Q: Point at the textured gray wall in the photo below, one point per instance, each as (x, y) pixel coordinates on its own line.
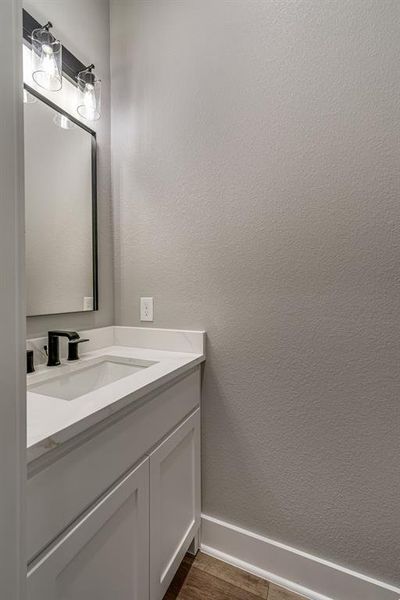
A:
(256, 183)
(83, 26)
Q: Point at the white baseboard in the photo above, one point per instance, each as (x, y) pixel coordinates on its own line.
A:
(302, 573)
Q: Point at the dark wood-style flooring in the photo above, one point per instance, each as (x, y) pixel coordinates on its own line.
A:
(206, 578)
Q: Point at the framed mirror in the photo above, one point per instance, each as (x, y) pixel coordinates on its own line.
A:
(60, 210)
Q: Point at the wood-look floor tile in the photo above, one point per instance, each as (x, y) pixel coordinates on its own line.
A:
(200, 585)
(206, 578)
(180, 577)
(278, 593)
(241, 579)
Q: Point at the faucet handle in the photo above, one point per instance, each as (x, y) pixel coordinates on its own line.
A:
(73, 348)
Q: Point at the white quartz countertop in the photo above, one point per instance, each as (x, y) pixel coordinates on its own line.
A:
(52, 421)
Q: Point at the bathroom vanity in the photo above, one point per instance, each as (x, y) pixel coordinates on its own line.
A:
(113, 438)
(113, 494)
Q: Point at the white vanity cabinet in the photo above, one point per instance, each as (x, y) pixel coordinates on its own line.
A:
(104, 556)
(111, 517)
(174, 502)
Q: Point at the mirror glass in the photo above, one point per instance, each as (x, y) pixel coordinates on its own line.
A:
(60, 210)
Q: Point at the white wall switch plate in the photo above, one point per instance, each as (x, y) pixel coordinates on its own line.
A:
(146, 309)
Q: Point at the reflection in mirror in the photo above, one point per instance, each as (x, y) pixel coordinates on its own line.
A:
(60, 209)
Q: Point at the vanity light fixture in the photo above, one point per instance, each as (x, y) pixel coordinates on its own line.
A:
(88, 94)
(46, 59)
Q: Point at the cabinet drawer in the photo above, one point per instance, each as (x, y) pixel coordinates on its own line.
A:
(105, 554)
(60, 492)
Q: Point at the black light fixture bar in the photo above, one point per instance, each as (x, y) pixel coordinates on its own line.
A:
(71, 65)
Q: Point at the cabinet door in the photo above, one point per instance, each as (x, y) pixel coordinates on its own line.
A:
(174, 502)
(105, 555)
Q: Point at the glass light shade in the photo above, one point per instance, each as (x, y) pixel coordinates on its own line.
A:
(28, 98)
(88, 95)
(63, 121)
(46, 60)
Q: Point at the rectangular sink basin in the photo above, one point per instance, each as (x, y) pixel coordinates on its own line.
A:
(87, 377)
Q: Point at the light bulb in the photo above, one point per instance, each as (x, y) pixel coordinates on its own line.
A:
(89, 102)
(48, 64)
(64, 122)
(88, 95)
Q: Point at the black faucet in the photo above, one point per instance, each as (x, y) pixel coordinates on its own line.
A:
(53, 346)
